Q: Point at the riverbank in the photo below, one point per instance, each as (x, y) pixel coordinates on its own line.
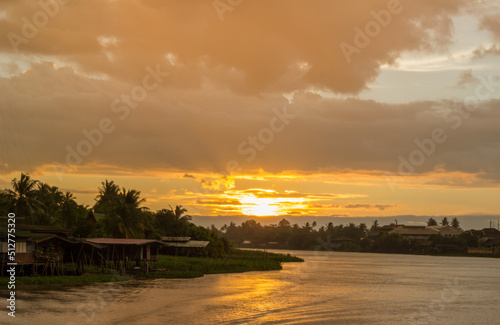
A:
(173, 267)
(496, 254)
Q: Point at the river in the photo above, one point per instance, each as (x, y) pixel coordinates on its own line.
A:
(329, 288)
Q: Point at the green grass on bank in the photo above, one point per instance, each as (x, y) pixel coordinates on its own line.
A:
(175, 267)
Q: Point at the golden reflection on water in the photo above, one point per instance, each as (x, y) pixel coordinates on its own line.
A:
(254, 295)
(345, 288)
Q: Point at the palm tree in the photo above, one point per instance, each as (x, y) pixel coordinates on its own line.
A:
(172, 222)
(455, 223)
(123, 221)
(6, 204)
(124, 216)
(22, 198)
(68, 210)
(178, 214)
(50, 199)
(108, 193)
(132, 197)
(374, 225)
(445, 222)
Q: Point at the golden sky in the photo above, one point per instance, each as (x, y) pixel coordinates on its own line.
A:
(257, 108)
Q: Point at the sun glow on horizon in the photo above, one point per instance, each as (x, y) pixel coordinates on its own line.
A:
(260, 207)
(265, 202)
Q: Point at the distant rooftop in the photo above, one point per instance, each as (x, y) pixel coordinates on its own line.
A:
(190, 244)
(174, 239)
(122, 241)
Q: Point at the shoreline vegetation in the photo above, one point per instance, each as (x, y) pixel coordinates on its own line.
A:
(171, 267)
(445, 239)
(120, 214)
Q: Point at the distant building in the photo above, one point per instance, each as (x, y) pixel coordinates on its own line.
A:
(447, 231)
(182, 245)
(93, 217)
(40, 246)
(415, 233)
(128, 249)
(489, 237)
(418, 233)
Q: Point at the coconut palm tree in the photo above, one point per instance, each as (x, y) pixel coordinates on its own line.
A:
(124, 215)
(132, 197)
(178, 214)
(172, 222)
(50, 199)
(108, 193)
(123, 221)
(22, 198)
(68, 211)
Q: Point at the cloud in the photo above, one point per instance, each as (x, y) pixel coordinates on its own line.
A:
(466, 77)
(218, 202)
(48, 111)
(225, 80)
(489, 22)
(220, 184)
(365, 206)
(263, 46)
(483, 51)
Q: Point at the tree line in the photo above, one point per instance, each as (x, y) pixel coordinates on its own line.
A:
(123, 211)
(287, 235)
(349, 237)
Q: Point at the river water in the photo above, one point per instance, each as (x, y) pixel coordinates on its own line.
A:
(329, 288)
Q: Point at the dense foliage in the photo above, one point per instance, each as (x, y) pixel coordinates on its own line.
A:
(357, 238)
(123, 214)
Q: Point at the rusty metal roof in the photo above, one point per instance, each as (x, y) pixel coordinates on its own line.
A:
(171, 238)
(190, 244)
(123, 241)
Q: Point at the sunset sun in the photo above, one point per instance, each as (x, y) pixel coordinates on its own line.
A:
(260, 207)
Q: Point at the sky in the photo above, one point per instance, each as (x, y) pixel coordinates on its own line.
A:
(263, 109)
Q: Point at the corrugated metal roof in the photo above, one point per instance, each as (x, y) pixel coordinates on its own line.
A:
(122, 241)
(44, 237)
(190, 244)
(175, 238)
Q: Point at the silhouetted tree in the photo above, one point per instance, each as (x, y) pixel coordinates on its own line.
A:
(431, 222)
(49, 198)
(455, 223)
(444, 222)
(124, 216)
(22, 198)
(68, 211)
